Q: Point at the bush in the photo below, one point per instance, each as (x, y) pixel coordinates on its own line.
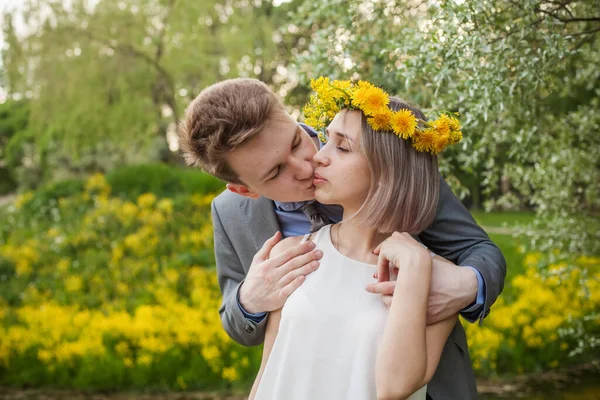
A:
(541, 327)
(162, 180)
(102, 292)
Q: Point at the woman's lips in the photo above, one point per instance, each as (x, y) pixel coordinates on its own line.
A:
(318, 179)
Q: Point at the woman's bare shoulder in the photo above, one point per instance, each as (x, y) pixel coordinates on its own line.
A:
(285, 244)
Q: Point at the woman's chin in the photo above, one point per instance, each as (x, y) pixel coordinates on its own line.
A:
(323, 197)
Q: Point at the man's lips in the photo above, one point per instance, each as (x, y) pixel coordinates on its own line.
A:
(318, 179)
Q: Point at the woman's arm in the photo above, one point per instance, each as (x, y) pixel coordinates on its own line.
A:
(409, 351)
(270, 335)
(274, 317)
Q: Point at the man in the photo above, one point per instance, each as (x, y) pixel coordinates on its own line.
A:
(238, 131)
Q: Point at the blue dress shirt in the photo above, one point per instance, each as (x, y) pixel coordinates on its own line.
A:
(293, 222)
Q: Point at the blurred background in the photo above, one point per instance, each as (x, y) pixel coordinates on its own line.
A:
(107, 279)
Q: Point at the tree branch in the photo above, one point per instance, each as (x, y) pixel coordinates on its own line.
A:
(534, 23)
(586, 32)
(130, 50)
(161, 34)
(567, 20)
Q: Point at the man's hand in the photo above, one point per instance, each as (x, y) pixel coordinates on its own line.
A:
(452, 288)
(270, 281)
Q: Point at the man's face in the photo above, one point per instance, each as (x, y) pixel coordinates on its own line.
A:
(277, 163)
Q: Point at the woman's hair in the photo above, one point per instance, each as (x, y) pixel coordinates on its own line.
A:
(405, 183)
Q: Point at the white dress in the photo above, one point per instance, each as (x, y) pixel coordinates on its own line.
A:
(328, 335)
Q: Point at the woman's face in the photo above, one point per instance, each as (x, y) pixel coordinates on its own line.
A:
(342, 175)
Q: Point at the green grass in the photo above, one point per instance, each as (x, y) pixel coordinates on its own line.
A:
(514, 260)
(506, 241)
(502, 219)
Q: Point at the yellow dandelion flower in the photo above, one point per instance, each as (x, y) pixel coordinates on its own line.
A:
(375, 99)
(454, 124)
(455, 137)
(440, 143)
(359, 96)
(442, 125)
(425, 140)
(381, 119)
(404, 123)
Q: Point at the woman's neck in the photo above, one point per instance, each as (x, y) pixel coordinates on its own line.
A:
(355, 240)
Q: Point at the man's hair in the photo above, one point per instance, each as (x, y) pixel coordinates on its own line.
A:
(222, 117)
(405, 183)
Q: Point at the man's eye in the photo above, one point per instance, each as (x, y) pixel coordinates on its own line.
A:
(297, 143)
(276, 174)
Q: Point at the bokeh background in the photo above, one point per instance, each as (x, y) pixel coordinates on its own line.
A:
(107, 278)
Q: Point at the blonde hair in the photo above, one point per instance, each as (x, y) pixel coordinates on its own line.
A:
(222, 117)
(404, 191)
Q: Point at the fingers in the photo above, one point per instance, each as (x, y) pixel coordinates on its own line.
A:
(299, 262)
(295, 273)
(394, 270)
(266, 248)
(381, 288)
(383, 269)
(387, 299)
(289, 289)
(377, 249)
(289, 254)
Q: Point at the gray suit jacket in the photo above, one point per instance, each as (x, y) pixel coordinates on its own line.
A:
(242, 225)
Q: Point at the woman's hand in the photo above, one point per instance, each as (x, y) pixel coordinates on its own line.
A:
(401, 251)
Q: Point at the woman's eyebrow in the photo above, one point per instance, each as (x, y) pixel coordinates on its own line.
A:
(343, 135)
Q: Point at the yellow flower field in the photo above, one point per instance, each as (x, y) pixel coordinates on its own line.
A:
(105, 292)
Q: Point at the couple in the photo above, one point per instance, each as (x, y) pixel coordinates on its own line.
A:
(333, 338)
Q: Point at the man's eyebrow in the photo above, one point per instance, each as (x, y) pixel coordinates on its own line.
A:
(298, 130)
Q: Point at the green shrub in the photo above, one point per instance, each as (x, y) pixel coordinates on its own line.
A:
(100, 292)
(162, 180)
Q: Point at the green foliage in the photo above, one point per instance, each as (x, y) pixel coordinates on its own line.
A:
(112, 79)
(162, 180)
(103, 292)
(524, 78)
(522, 75)
(14, 139)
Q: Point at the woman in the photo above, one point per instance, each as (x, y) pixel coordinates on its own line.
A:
(332, 339)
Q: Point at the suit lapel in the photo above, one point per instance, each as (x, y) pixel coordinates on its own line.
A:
(261, 219)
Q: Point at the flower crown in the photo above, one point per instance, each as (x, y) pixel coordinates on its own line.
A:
(332, 96)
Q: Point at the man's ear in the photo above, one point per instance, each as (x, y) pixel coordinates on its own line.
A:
(241, 190)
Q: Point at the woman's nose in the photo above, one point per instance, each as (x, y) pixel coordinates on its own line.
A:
(321, 158)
